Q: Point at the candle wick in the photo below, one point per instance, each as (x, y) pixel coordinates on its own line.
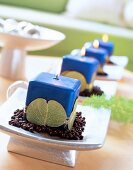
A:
(56, 77)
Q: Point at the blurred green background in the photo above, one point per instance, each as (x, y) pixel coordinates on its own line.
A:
(75, 38)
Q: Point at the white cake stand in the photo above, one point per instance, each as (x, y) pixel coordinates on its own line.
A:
(12, 59)
(44, 147)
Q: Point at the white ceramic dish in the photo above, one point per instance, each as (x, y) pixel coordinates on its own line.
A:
(48, 38)
(119, 60)
(114, 73)
(94, 135)
(108, 87)
(12, 59)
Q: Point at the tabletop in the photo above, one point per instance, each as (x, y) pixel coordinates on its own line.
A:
(116, 154)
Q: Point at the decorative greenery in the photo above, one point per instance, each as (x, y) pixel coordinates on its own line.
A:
(49, 113)
(35, 111)
(122, 108)
(56, 114)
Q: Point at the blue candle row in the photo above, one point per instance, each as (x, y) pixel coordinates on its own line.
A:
(65, 90)
(100, 49)
(89, 60)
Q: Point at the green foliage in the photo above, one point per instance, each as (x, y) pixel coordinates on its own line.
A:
(56, 114)
(35, 111)
(56, 6)
(121, 108)
(49, 113)
(42, 113)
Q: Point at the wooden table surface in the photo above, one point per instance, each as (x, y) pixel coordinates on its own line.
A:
(117, 153)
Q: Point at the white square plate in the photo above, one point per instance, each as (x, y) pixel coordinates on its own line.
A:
(114, 73)
(97, 121)
(119, 60)
(108, 87)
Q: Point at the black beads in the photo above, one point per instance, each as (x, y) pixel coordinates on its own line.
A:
(95, 91)
(102, 74)
(112, 63)
(19, 120)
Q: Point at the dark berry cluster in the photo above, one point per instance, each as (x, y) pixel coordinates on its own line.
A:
(110, 62)
(95, 91)
(19, 120)
(102, 74)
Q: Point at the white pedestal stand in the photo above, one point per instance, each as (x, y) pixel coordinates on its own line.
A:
(42, 152)
(12, 59)
(12, 63)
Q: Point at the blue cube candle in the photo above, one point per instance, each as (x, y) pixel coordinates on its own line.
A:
(83, 65)
(64, 90)
(94, 51)
(107, 45)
